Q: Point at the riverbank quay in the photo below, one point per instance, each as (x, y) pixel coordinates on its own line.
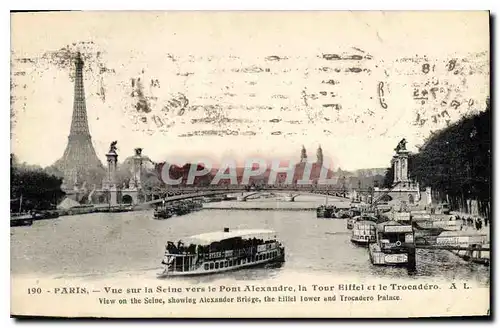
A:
(102, 208)
(484, 226)
(88, 209)
(77, 210)
(474, 240)
(472, 246)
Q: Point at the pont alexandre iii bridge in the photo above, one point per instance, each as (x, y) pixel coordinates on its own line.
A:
(403, 190)
(135, 193)
(409, 193)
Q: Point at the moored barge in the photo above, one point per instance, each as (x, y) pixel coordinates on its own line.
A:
(394, 245)
(162, 213)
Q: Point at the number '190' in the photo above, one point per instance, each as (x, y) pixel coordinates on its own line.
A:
(34, 290)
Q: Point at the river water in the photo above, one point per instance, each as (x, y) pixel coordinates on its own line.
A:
(132, 244)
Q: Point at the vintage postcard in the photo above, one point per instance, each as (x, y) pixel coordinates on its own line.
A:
(250, 164)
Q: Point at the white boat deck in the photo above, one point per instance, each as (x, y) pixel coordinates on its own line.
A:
(210, 237)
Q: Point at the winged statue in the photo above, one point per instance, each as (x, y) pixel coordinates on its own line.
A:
(112, 147)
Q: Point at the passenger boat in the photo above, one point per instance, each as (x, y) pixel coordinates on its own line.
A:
(42, 215)
(323, 212)
(53, 214)
(326, 212)
(394, 245)
(362, 217)
(182, 209)
(222, 251)
(355, 212)
(344, 214)
(121, 209)
(21, 220)
(81, 209)
(197, 205)
(364, 232)
(351, 222)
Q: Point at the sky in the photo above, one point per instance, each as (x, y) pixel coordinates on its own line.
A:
(238, 85)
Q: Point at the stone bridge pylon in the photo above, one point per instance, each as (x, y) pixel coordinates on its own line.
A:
(109, 185)
(111, 192)
(132, 194)
(403, 190)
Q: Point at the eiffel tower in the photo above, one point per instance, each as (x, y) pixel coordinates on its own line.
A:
(79, 163)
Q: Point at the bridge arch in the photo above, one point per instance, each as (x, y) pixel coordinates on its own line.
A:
(244, 196)
(386, 198)
(172, 194)
(101, 199)
(127, 199)
(334, 194)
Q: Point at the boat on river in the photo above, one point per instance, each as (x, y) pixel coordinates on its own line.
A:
(352, 221)
(364, 232)
(325, 211)
(362, 217)
(394, 245)
(181, 209)
(81, 209)
(329, 212)
(222, 251)
(162, 213)
(197, 205)
(21, 220)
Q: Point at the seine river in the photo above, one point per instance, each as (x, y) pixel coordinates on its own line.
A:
(132, 245)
